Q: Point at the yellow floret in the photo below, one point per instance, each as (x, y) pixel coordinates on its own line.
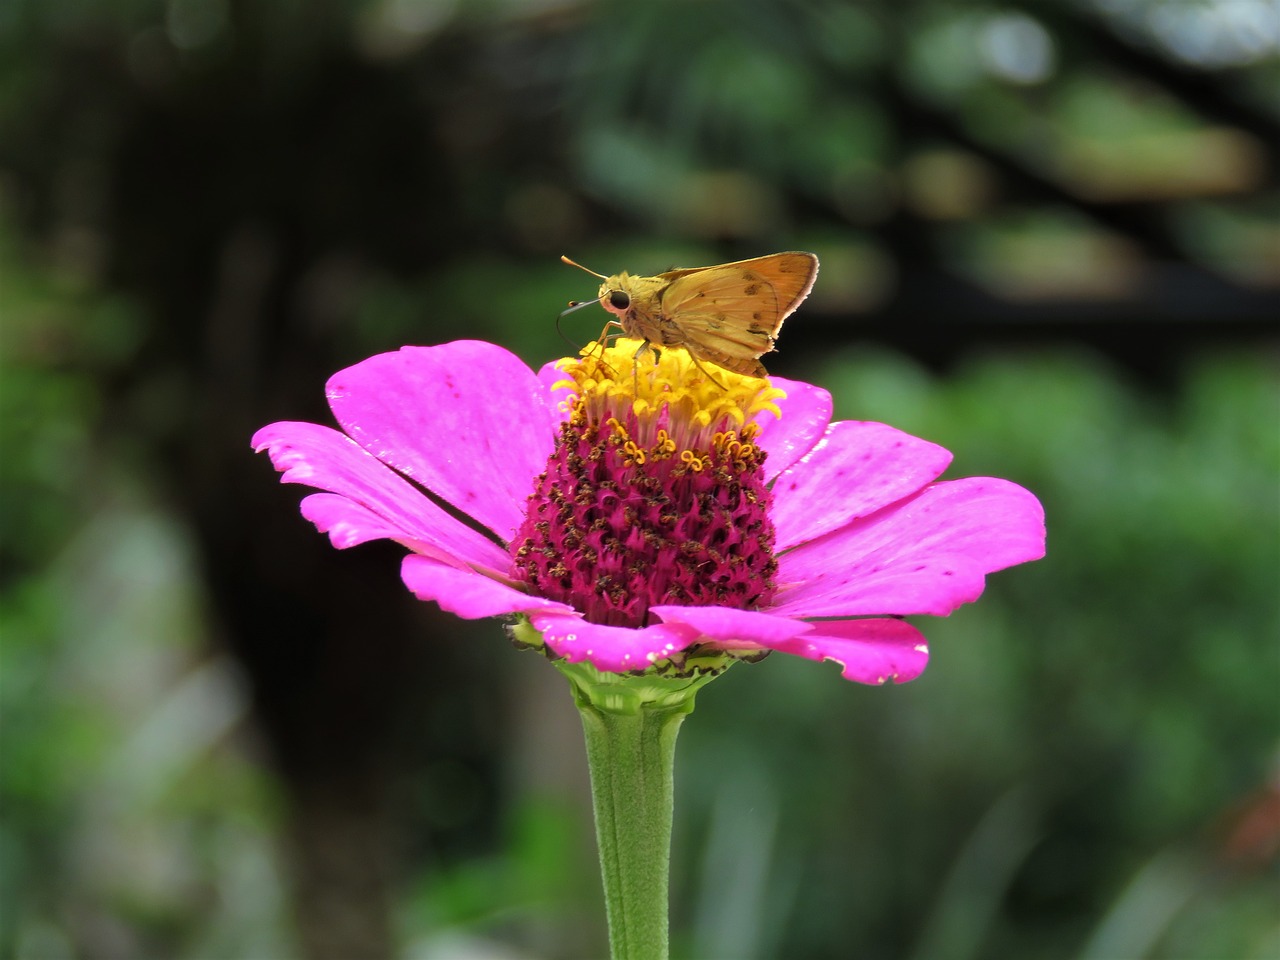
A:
(623, 376)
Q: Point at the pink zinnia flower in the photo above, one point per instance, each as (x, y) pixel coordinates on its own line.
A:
(638, 515)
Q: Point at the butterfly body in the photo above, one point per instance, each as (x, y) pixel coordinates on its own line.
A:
(728, 314)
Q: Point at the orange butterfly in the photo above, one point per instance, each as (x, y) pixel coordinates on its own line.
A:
(729, 314)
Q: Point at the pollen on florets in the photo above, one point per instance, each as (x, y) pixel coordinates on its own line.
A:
(655, 492)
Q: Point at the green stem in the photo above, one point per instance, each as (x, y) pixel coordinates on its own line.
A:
(630, 724)
(632, 761)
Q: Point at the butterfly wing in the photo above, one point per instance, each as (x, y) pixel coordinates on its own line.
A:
(730, 314)
(789, 275)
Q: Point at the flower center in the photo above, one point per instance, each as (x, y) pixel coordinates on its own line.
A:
(654, 493)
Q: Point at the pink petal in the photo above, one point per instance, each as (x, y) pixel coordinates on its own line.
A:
(854, 470)
(806, 411)
(734, 629)
(468, 594)
(925, 554)
(467, 420)
(348, 524)
(616, 649)
(868, 651)
(322, 457)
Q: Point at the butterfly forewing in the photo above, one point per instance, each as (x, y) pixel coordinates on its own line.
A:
(733, 312)
(790, 275)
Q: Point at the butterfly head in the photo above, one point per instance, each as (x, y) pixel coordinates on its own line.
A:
(614, 298)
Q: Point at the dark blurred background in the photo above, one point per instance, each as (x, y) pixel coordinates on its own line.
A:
(1050, 241)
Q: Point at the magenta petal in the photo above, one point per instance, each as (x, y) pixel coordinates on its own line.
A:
(734, 629)
(321, 457)
(616, 649)
(854, 470)
(467, 420)
(806, 411)
(468, 594)
(868, 651)
(348, 525)
(925, 554)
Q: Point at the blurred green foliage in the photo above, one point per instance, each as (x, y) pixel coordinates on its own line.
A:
(129, 819)
(1085, 770)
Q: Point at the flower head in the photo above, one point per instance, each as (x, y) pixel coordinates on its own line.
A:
(653, 494)
(639, 514)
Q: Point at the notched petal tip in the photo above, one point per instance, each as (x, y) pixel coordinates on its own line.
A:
(347, 523)
(871, 651)
(370, 499)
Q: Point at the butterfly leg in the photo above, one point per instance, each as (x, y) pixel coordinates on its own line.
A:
(707, 374)
(635, 363)
(646, 347)
(602, 340)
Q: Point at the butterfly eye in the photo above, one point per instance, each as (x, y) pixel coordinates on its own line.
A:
(619, 300)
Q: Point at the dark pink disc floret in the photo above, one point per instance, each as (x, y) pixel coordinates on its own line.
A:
(613, 539)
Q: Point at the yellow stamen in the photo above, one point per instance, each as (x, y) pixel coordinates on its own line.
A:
(694, 462)
(633, 455)
(664, 447)
(670, 402)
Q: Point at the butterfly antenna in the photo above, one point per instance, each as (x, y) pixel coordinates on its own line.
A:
(574, 263)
